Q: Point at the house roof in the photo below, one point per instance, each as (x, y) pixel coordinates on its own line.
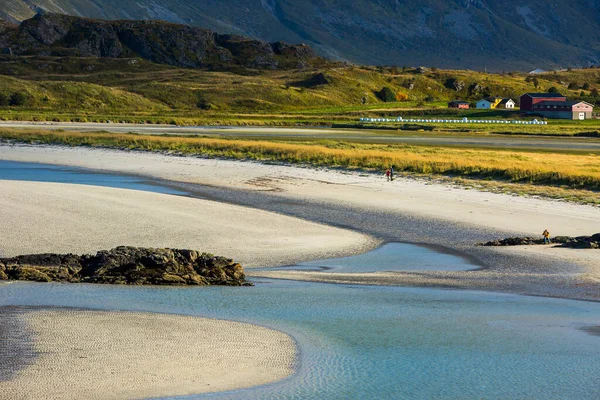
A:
(504, 101)
(561, 103)
(543, 95)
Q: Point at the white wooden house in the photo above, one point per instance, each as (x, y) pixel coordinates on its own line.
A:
(508, 104)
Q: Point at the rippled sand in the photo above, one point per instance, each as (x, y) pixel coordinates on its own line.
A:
(115, 355)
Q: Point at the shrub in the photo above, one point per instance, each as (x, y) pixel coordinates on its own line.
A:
(586, 86)
(595, 92)
(573, 86)
(401, 96)
(386, 94)
(17, 99)
(203, 104)
(4, 100)
(553, 89)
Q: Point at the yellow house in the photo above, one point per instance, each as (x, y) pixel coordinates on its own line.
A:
(490, 103)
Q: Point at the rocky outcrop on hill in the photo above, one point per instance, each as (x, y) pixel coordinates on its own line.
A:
(126, 265)
(455, 34)
(157, 41)
(579, 242)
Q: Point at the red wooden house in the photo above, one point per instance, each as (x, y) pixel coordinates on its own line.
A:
(529, 100)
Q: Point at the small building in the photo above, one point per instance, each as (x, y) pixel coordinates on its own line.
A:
(485, 104)
(490, 103)
(528, 100)
(578, 110)
(463, 105)
(508, 104)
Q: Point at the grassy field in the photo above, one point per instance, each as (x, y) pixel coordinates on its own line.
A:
(135, 90)
(573, 177)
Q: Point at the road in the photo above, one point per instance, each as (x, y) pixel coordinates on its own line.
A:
(538, 143)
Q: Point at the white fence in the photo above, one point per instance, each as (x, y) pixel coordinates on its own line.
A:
(455, 121)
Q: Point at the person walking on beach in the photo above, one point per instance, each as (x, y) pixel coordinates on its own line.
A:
(392, 173)
(388, 174)
(546, 236)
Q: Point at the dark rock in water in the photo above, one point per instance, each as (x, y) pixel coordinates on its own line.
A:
(126, 265)
(579, 242)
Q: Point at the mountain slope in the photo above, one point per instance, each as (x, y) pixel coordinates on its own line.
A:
(494, 34)
(157, 41)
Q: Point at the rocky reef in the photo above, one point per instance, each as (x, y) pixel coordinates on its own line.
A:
(158, 41)
(579, 242)
(126, 265)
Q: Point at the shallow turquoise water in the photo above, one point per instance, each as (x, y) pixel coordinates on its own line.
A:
(12, 170)
(367, 342)
(392, 257)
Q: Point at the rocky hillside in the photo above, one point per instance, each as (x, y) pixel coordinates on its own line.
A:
(126, 265)
(157, 41)
(474, 34)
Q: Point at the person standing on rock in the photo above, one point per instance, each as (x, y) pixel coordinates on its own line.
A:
(546, 236)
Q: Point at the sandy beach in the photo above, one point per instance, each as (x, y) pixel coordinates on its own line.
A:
(409, 210)
(524, 215)
(63, 218)
(114, 355)
(273, 215)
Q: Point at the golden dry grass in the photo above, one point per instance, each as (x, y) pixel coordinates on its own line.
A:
(568, 170)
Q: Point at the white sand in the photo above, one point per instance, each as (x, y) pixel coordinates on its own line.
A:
(498, 211)
(522, 215)
(116, 355)
(61, 218)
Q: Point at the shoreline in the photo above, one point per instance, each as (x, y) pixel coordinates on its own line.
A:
(408, 211)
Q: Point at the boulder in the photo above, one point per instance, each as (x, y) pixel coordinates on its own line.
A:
(579, 242)
(127, 265)
(514, 241)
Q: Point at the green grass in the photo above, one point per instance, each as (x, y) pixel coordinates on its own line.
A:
(137, 91)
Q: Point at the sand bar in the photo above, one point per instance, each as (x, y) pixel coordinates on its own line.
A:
(81, 219)
(408, 210)
(114, 355)
(497, 211)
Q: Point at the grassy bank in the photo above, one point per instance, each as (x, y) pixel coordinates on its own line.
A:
(548, 173)
(134, 90)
